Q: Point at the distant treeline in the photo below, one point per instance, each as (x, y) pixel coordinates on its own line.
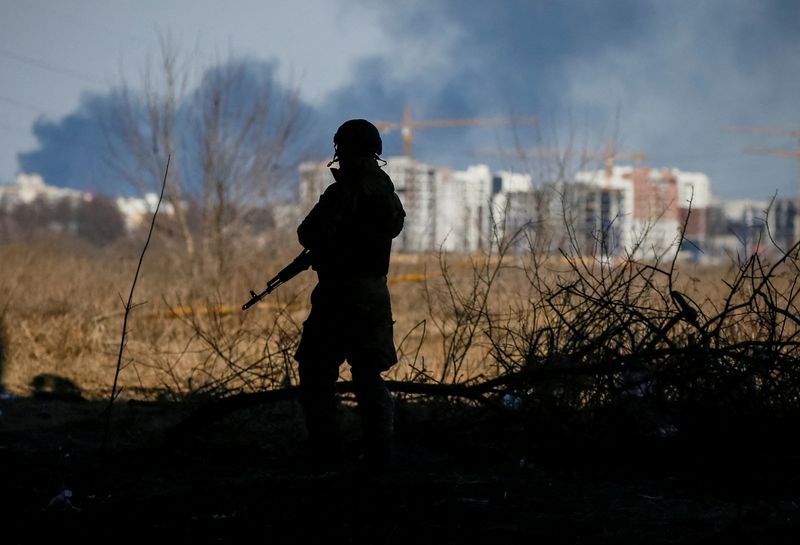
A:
(96, 220)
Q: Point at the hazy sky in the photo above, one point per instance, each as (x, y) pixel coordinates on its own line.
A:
(666, 76)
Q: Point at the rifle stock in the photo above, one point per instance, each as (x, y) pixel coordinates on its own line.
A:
(298, 265)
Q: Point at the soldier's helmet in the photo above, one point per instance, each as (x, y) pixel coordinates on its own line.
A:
(357, 138)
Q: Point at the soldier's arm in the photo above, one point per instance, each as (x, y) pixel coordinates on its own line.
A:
(397, 216)
(320, 226)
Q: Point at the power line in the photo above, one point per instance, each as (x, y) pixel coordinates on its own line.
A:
(20, 130)
(25, 105)
(44, 65)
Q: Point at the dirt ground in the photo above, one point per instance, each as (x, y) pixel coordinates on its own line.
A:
(461, 476)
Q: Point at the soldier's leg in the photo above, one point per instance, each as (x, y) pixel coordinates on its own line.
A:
(320, 409)
(377, 415)
(319, 356)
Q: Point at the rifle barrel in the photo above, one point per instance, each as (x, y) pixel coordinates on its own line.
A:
(298, 265)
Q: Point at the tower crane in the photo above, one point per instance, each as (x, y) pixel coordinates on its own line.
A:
(419, 195)
(792, 133)
(778, 152)
(608, 156)
(407, 125)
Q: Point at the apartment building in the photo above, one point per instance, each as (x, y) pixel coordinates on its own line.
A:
(640, 211)
(436, 205)
(27, 188)
(611, 212)
(463, 215)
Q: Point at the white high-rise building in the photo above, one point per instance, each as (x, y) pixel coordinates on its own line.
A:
(30, 187)
(315, 176)
(416, 184)
(463, 215)
(137, 211)
(513, 204)
(603, 210)
(617, 212)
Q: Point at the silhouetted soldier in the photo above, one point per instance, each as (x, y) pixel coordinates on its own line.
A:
(349, 233)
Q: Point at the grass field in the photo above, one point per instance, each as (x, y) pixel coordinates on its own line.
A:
(457, 317)
(628, 402)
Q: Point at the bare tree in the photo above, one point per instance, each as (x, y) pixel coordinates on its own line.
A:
(234, 137)
(99, 221)
(242, 150)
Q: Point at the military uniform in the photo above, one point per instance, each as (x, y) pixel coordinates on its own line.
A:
(349, 233)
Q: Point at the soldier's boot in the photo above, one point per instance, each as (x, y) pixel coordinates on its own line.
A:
(320, 410)
(377, 419)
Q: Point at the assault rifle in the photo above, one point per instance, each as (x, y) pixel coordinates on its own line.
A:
(298, 265)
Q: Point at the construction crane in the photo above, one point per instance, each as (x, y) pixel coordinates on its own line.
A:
(419, 195)
(778, 131)
(608, 156)
(780, 152)
(777, 152)
(408, 125)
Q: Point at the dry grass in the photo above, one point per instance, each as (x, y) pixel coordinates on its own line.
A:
(457, 318)
(62, 310)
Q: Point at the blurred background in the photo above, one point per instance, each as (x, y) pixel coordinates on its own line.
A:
(697, 86)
